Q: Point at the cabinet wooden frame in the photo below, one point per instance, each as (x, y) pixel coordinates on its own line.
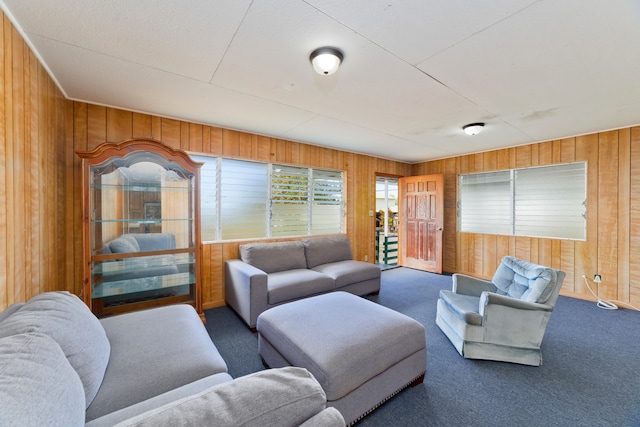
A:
(119, 151)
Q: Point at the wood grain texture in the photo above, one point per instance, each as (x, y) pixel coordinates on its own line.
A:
(613, 215)
(39, 131)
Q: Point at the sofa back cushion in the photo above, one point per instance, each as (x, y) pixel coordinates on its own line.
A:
(154, 241)
(273, 257)
(524, 280)
(283, 396)
(65, 318)
(38, 386)
(326, 249)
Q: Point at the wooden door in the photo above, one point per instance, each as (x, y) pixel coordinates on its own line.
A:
(421, 217)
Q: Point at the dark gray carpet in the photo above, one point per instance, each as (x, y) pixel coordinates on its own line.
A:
(590, 374)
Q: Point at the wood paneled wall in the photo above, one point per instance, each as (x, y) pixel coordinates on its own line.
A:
(92, 125)
(40, 190)
(32, 192)
(613, 215)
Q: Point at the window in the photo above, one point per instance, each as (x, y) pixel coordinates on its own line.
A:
(244, 199)
(544, 201)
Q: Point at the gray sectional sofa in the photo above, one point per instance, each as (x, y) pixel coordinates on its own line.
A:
(270, 274)
(62, 366)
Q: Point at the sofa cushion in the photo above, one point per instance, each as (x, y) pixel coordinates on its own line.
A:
(66, 319)
(465, 307)
(287, 396)
(294, 284)
(349, 272)
(124, 244)
(523, 280)
(38, 386)
(326, 249)
(154, 241)
(154, 351)
(275, 256)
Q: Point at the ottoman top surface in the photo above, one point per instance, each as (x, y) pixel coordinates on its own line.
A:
(343, 339)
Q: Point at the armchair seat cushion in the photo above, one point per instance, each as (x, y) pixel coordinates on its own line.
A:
(463, 306)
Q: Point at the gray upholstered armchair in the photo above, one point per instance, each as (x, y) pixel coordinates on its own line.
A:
(503, 319)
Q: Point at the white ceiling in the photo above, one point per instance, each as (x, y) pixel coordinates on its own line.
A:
(414, 71)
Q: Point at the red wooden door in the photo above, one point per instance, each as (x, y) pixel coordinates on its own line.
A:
(421, 217)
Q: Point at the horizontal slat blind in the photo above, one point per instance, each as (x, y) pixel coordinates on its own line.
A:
(208, 198)
(485, 203)
(549, 201)
(244, 190)
(289, 201)
(327, 215)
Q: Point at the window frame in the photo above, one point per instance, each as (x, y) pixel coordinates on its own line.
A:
(517, 214)
(271, 168)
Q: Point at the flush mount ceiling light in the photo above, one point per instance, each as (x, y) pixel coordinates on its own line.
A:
(326, 60)
(473, 128)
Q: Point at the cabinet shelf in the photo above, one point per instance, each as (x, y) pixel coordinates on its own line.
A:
(141, 227)
(143, 284)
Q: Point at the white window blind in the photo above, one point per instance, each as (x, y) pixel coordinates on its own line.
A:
(543, 201)
(485, 203)
(289, 201)
(327, 209)
(208, 198)
(550, 201)
(244, 189)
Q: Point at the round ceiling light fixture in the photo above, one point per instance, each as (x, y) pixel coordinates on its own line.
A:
(473, 128)
(326, 60)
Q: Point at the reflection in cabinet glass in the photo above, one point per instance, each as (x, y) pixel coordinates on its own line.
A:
(141, 227)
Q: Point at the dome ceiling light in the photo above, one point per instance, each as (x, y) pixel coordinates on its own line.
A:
(326, 60)
(473, 128)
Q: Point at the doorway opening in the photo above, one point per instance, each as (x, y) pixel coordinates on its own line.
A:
(386, 222)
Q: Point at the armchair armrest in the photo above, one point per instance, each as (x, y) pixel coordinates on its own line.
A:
(522, 322)
(488, 298)
(467, 285)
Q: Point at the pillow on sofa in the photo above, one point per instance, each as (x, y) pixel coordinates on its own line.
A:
(276, 256)
(285, 396)
(326, 249)
(66, 319)
(38, 386)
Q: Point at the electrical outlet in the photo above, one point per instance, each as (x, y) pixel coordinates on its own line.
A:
(366, 258)
(597, 278)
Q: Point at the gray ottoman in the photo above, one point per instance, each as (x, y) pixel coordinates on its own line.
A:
(360, 352)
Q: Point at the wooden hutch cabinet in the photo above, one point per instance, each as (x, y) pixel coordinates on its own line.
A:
(141, 227)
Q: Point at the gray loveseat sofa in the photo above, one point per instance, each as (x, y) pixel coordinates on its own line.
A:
(270, 274)
(62, 366)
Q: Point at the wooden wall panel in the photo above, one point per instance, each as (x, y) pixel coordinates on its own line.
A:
(39, 174)
(91, 122)
(613, 215)
(32, 141)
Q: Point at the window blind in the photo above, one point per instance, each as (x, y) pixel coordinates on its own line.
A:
(244, 189)
(542, 201)
(485, 203)
(327, 209)
(550, 201)
(289, 201)
(208, 198)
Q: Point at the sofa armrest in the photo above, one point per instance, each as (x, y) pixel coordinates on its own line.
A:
(245, 290)
(467, 285)
(285, 397)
